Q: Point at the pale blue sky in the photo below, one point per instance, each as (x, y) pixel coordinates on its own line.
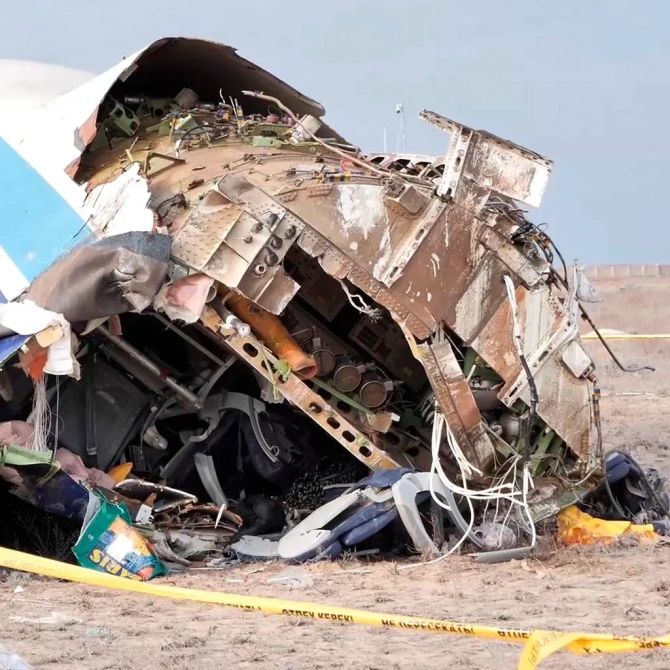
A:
(584, 82)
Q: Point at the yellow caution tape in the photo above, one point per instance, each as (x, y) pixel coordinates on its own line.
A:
(538, 644)
(628, 336)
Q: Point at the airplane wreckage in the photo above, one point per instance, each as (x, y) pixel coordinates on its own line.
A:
(228, 331)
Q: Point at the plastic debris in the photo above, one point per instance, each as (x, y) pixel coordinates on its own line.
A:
(109, 543)
(577, 527)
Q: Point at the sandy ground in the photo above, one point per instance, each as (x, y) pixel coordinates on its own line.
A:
(622, 590)
(618, 590)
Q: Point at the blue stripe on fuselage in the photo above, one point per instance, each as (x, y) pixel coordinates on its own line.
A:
(36, 224)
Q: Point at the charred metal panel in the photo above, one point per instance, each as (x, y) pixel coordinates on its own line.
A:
(457, 401)
(491, 162)
(239, 235)
(428, 239)
(455, 278)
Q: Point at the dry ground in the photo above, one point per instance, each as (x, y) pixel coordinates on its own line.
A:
(626, 591)
(622, 590)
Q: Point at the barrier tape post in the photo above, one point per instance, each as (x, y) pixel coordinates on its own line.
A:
(538, 645)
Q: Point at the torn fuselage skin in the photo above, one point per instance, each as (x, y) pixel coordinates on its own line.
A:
(387, 270)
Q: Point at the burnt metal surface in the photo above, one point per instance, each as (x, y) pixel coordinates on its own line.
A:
(422, 242)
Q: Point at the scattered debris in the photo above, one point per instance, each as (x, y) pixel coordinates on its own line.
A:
(294, 579)
(108, 542)
(577, 527)
(303, 350)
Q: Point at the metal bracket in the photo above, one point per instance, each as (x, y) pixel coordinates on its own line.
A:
(204, 464)
(459, 143)
(250, 350)
(455, 398)
(491, 162)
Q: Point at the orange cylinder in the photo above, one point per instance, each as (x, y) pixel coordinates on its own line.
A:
(272, 331)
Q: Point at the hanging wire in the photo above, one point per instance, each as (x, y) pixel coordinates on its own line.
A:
(357, 302)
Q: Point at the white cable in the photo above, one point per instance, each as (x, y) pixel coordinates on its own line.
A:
(40, 417)
(518, 345)
(438, 423)
(372, 312)
(503, 491)
(528, 483)
(329, 147)
(493, 493)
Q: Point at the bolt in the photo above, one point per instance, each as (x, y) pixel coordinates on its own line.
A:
(271, 257)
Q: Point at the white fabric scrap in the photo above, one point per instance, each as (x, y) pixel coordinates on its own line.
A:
(27, 318)
(60, 357)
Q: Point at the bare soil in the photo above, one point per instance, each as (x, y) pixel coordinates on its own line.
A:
(613, 590)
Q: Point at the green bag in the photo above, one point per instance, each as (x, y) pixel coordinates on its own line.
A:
(109, 543)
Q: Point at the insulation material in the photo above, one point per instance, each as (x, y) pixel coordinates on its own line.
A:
(120, 206)
(185, 298)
